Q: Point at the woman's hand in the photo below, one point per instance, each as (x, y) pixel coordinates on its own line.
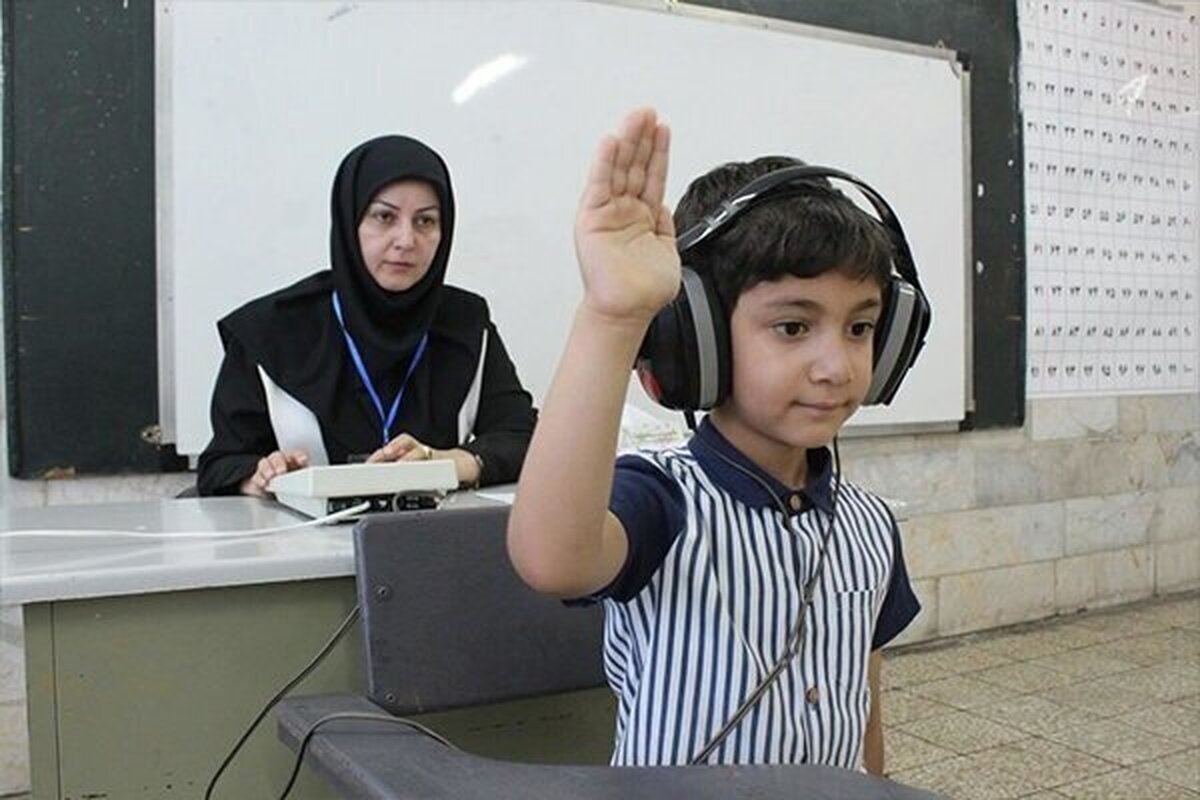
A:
(624, 235)
(402, 448)
(406, 447)
(277, 463)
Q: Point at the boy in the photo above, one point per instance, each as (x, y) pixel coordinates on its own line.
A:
(700, 553)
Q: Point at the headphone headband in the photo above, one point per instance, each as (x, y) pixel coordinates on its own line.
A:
(769, 186)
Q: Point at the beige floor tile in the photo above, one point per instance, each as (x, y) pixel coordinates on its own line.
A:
(1188, 702)
(1125, 784)
(1046, 795)
(1155, 648)
(909, 669)
(1047, 638)
(901, 706)
(1190, 620)
(906, 752)
(1024, 646)
(1035, 715)
(1178, 613)
(1045, 763)
(1023, 678)
(959, 658)
(1074, 634)
(1184, 643)
(1187, 666)
(961, 692)
(966, 778)
(1170, 681)
(1116, 742)
(1123, 622)
(1102, 697)
(1089, 662)
(1123, 651)
(1181, 769)
(1165, 719)
(963, 733)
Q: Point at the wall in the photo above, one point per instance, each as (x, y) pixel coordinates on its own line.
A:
(1095, 501)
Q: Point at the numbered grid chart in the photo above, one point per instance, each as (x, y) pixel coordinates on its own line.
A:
(1110, 95)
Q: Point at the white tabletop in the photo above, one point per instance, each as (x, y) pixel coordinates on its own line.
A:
(67, 567)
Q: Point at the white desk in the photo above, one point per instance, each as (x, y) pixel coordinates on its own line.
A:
(70, 568)
(146, 659)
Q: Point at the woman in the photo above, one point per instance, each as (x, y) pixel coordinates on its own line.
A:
(374, 359)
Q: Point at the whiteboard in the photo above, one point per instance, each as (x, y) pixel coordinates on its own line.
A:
(258, 100)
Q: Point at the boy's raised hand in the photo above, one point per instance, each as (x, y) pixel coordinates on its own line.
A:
(624, 235)
(625, 243)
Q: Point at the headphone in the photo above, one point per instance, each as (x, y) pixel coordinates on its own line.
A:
(685, 360)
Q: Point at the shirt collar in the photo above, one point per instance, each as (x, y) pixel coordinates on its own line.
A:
(711, 450)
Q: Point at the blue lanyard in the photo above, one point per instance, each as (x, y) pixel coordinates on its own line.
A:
(359, 365)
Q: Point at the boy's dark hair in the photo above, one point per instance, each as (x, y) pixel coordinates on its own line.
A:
(803, 232)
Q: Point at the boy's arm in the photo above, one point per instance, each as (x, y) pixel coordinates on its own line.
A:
(561, 537)
(873, 756)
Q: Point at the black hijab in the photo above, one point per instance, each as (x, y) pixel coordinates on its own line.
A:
(387, 326)
(293, 334)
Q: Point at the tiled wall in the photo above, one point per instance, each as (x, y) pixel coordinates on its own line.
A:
(1094, 502)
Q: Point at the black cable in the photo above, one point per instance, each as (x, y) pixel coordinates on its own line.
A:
(304, 673)
(796, 641)
(364, 717)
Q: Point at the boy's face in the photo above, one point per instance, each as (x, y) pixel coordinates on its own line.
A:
(802, 356)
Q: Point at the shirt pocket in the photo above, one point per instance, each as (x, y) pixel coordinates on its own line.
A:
(843, 643)
(850, 627)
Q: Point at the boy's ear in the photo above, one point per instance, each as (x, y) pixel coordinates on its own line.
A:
(684, 362)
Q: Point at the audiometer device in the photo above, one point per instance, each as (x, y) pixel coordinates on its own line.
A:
(395, 486)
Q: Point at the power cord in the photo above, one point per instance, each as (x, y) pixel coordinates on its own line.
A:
(304, 673)
(364, 717)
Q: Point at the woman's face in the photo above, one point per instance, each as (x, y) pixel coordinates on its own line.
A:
(399, 234)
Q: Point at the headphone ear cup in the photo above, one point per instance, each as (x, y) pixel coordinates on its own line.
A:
(684, 361)
(722, 344)
(899, 337)
(657, 366)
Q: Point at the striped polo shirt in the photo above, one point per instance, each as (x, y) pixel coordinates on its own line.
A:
(708, 599)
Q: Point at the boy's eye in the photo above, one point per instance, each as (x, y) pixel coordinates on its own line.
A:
(792, 328)
(862, 329)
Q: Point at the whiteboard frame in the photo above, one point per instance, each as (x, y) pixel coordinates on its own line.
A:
(164, 103)
(164, 243)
